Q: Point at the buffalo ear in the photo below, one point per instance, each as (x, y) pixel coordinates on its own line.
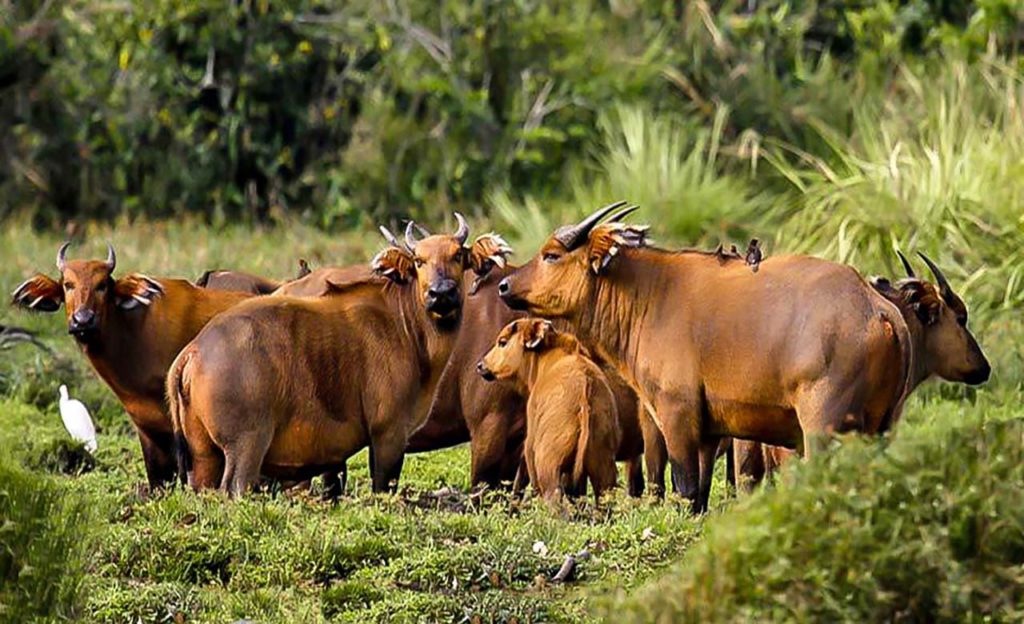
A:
(537, 334)
(925, 303)
(488, 251)
(136, 289)
(40, 293)
(607, 239)
(395, 264)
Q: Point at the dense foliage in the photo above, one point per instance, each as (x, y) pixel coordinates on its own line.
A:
(333, 110)
(925, 529)
(839, 128)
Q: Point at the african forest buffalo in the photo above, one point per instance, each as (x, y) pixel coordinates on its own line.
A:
(492, 416)
(942, 346)
(294, 386)
(131, 328)
(572, 430)
(785, 355)
(237, 281)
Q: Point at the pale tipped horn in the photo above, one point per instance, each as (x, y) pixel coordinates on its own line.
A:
(625, 212)
(61, 262)
(944, 289)
(389, 237)
(111, 257)
(906, 265)
(463, 232)
(410, 237)
(571, 237)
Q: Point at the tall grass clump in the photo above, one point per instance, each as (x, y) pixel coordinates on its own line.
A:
(42, 537)
(938, 167)
(929, 528)
(670, 166)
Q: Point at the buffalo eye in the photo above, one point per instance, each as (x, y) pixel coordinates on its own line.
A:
(503, 343)
(102, 287)
(419, 262)
(68, 286)
(551, 257)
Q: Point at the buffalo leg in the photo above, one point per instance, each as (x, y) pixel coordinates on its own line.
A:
(243, 459)
(158, 456)
(334, 483)
(522, 478)
(824, 411)
(748, 465)
(634, 477)
(708, 457)
(387, 449)
(730, 466)
(487, 445)
(679, 424)
(655, 454)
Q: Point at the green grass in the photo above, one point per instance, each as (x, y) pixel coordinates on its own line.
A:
(282, 558)
(927, 523)
(925, 528)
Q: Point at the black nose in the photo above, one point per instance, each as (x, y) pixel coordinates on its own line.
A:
(503, 287)
(979, 375)
(442, 288)
(481, 369)
(82, 321)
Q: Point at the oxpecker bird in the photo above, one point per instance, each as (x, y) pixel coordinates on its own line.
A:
(754, 254)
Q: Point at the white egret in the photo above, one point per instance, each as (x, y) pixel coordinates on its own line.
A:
(77, 420)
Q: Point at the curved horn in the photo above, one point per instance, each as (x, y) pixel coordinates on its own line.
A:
(389, 237)
(940, 279)
(625, 212)
(60, 256)
(906, 265)
(410, 237)
(463, 232)
(111, 258)
(572, 236)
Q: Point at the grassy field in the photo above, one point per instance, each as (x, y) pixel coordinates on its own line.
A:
(923, 526)
(427, 554)
(424, 554)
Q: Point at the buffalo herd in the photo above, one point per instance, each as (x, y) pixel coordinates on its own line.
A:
(601, 348)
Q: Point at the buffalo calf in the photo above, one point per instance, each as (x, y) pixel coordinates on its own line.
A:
(572, 430)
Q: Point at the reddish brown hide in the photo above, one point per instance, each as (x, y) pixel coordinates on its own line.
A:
(572, 430)
(767, 356)
(130, 328)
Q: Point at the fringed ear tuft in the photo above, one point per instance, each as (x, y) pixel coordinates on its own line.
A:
(537, 333)
(607, 239)
(923, 298)
(395, 264)
(40, 293)
(136, 289)
(488, 251)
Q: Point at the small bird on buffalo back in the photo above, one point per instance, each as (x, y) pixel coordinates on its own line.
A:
(77, 420)
(753, 256)
(304, 269)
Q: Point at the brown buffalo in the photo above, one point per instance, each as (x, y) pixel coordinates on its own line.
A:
(572, 430)
(294, 386)
(787, 355)
(943, 347)
(131, 328)
(492, 416)
(237, 281)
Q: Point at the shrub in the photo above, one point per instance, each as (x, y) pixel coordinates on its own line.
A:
(43, 535)
(927, 528)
